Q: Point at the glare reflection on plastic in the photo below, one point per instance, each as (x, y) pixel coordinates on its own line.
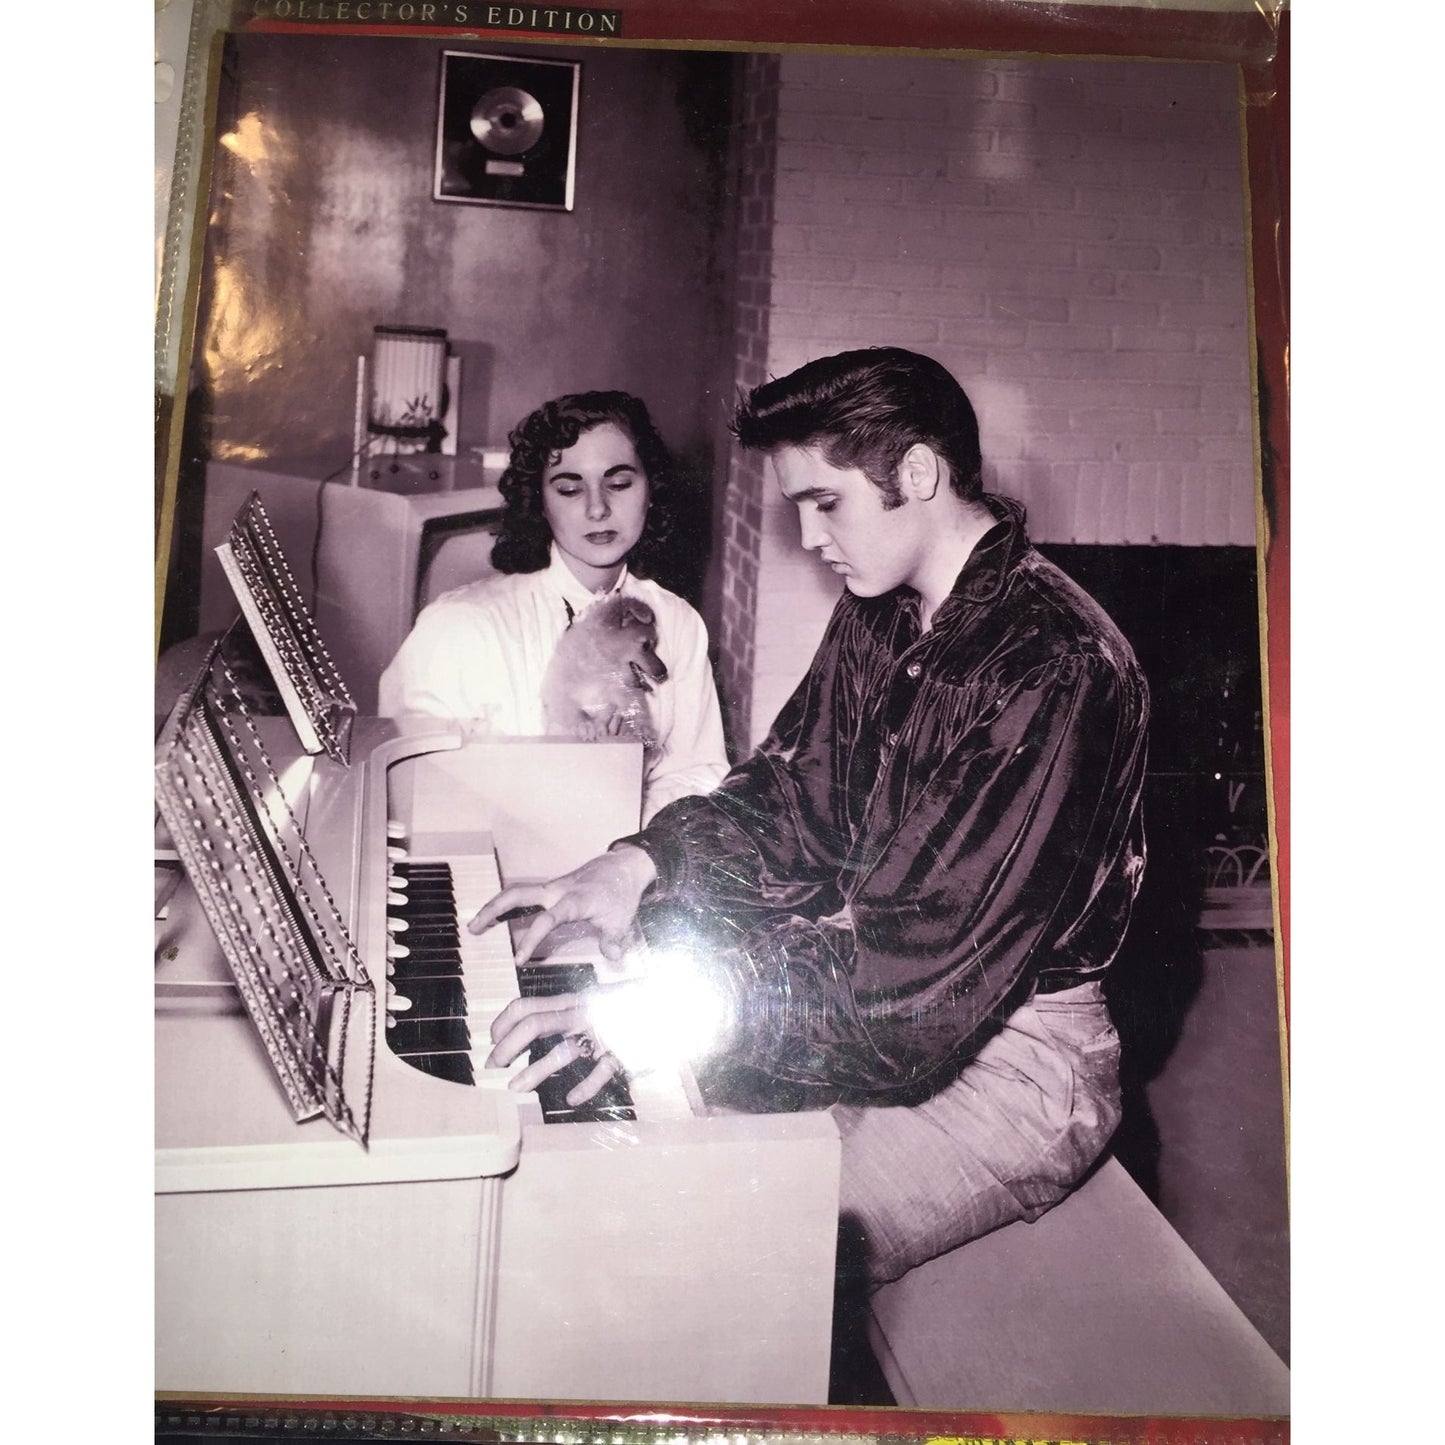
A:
(672, 1016)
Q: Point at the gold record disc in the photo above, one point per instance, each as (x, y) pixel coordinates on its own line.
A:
(507, 121)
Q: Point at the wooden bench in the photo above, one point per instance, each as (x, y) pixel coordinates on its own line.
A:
(1099, 1307)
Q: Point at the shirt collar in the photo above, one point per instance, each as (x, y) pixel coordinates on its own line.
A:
(572, 592)
(995, 553)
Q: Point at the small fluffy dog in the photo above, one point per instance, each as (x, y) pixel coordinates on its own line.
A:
(606, 663)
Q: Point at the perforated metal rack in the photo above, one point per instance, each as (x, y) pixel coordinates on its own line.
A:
(233, 825)
(319, 704)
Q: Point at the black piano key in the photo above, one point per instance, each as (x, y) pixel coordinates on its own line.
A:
(421, 931)
(421, 1036)
(432, 919)
(422, 895)
(401, 975)
(425, 962)
(416, 941)
(614, 1102)
(434, 893)
(547, 980)
(415, 887)
(421, 889)
(416, 891)
(433, 923)
(454, 1067)
(430, 998)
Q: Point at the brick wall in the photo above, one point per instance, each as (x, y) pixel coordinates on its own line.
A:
(743, 514)
(1067, 237)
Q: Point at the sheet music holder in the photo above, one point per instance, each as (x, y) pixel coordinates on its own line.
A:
(318, 702)
(233, 825)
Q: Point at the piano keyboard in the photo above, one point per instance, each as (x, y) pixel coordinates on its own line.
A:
(446, 985)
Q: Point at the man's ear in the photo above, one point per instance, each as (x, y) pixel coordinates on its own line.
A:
(920, 472)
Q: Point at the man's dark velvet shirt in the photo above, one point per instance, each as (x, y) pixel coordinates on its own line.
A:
(938, 823)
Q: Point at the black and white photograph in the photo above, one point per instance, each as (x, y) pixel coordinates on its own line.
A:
(714, 837)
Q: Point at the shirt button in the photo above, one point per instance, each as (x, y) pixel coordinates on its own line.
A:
(914, 669)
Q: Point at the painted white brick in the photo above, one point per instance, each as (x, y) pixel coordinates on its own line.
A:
(838, 241)
(806, 128)
(817, 159)
(1221, 340)
(1065, 236)
(815, 268)
(1113, 311)
(1046, 369)
(790, 240)
(950, 191)
(960, 255)
(1114, 422)
(1226, 288)
(800, 325)
(901, 273)
(1199, 422)
(956, 303)
(1047, 503)
(894, 331)
(1087, 506)
(1022, 307)
(1113, 504)
(1140, 506)
(1031, 251)
(1076, 116)
(1127, 151)
(1243, 513)
(988, 225)
(1039, 145)
(856, 300)
(871, 189)
(1092, 446)
(1158, 449)
(1152, 338)
(1219, 494)
(1043, 336)
(1237, 451)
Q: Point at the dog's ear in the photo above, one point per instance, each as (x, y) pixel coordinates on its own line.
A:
(632, 613)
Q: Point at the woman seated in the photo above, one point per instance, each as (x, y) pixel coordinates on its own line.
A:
(586, 492)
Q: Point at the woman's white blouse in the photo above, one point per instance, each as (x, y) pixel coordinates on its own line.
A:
(477, 655)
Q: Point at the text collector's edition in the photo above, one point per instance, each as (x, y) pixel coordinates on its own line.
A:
(446, 14)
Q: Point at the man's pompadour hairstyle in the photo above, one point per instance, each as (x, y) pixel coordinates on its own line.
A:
(864, 409)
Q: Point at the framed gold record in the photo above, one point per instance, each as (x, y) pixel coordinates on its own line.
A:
(506, 131)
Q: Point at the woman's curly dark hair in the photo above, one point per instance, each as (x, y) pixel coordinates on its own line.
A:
(524, 541)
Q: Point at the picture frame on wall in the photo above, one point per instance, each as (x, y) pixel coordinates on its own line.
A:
(507, 131)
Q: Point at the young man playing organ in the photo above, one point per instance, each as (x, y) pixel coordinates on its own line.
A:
(903, 904)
